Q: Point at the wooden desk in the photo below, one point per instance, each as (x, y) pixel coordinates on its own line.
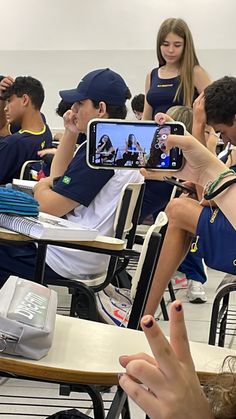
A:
(87, 352)
(102, 244)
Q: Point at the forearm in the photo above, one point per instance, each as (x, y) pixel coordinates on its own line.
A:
(198, 131)
(147, 113)
(50, 201)
(225, 201)
(42, 193)
(147, 110)
(64, 154)
(211, 171)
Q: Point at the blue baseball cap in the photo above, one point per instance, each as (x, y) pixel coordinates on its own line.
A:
(99, 85)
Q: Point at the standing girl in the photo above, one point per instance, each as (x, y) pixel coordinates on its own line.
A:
(179, 78)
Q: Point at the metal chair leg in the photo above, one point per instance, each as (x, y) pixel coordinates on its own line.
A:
(117, 406)
(164, 310)
(98, 407)
(171, 291)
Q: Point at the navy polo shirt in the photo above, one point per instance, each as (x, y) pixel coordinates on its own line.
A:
(14, 127)
(80, 182)
(17, 148)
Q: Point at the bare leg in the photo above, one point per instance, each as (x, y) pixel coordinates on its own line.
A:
(183, 215)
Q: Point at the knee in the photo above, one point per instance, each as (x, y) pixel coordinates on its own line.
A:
(176, 211)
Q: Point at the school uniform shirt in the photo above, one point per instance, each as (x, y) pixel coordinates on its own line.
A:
(14, 127)
(162, 92)
(17, 148)
(98, 192)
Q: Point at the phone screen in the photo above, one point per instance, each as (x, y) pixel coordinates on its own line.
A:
(133, 145)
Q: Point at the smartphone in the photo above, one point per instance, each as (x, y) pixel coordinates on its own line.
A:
(175, 182)
(132, 144)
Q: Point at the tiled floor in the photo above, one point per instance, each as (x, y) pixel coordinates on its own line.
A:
(12, 405)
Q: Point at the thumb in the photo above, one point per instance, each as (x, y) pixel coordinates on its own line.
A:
(181, 141)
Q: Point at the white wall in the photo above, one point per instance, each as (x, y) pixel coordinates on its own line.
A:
(58, 41)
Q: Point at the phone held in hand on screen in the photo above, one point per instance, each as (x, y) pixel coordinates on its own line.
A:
(180, 185)
(124, 144)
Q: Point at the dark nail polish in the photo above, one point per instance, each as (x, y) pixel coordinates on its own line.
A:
(178, 308)
(149, 324)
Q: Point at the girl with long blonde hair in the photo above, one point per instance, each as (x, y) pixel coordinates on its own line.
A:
(179, 78)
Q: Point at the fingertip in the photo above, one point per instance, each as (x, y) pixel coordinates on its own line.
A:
(177, 305)
(123, 360)
(177, 311)
(147, 321)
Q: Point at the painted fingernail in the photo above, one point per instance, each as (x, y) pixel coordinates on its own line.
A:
(148, 322)
(178, 307)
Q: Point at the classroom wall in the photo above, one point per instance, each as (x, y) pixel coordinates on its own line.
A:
(59, 41)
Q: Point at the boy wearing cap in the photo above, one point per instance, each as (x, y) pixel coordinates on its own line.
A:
(21, 101)
(80, 194)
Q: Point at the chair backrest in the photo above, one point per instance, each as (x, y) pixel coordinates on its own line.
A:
(126, 308)
(26, 168)
(123, 222)
(160, 221)
(126, 207)
(142, 280)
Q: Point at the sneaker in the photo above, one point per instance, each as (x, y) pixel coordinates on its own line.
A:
(114, 305)
(179, 281)
(195, 292)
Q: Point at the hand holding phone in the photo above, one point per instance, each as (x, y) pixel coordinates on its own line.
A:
(136, 145)
(179, 184)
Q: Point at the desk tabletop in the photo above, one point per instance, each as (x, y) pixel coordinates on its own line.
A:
(101, 242)
(87, 352)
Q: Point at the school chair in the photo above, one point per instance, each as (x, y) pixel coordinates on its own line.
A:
(27, 167)
(223, 315)
(83, 301)
(129, 307)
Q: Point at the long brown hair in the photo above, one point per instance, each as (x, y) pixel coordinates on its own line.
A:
(221, 392)
(188, 59)
(155, 153)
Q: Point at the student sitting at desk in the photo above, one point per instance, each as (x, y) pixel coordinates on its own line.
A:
(133, 153)
(80, 194)
(21, 101)
(105, 148)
